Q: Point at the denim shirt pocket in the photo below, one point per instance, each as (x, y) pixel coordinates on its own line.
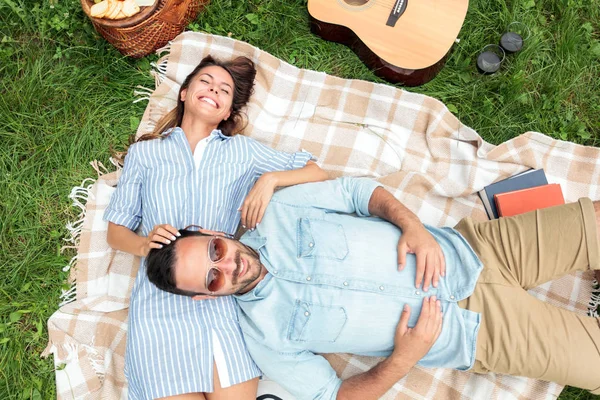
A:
(312, 322)
(320, 238)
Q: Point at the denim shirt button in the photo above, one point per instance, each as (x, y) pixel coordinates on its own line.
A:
(381, 287)
(417, 293)
(306, 313)
(345, 283)
(452, 297)
(311, 244)
(275, 272)
(308, 278)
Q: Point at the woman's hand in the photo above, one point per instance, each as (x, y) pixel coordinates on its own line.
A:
(256, 202)
(159, 236)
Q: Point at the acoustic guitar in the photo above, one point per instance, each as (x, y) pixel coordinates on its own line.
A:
(402, 41)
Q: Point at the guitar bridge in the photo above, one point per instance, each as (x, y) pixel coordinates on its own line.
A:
(396, 12)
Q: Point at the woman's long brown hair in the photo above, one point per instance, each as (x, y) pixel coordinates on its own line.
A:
(242, 71)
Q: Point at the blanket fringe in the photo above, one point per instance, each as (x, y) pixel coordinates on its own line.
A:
(142, 94)
(159, 70)
(79, 196)
(118, 166)
(594, 304)
(68, 351)
(68, 296)
(166, 48)
(96, 360)
(100, 168)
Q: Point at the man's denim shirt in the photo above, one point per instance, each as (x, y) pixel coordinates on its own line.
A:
(334, 287)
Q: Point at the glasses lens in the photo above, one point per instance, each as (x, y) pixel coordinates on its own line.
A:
(217, 248)
(214, 280)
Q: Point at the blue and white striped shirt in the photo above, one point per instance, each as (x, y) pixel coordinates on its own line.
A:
(169, 344)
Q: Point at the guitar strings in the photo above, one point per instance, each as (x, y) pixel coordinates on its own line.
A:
(386, 4)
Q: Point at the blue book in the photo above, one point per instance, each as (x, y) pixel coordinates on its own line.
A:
(524, 180)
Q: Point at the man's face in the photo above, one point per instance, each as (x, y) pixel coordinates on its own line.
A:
(240, 266)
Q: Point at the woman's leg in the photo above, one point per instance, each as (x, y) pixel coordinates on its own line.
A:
(187, 396)
(242, 391)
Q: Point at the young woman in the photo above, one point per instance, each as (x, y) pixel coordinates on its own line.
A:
(194, 170)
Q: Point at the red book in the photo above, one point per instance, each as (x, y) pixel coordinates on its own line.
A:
(534, 198)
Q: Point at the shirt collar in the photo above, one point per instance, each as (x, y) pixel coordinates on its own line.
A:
(219, 134)
(216, 133)
(253, 239)
(259, 292)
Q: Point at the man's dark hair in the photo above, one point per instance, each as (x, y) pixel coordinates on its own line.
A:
(160, 264)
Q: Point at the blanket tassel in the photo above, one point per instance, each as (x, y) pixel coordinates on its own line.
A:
(159, 70)
(68, 296)
(594, 304)
(79, 196)
(142, 94)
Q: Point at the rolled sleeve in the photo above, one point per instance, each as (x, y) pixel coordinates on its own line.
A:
(359, 190)
(345, 195)
(304, 374)
(267, 159)
(125, 206)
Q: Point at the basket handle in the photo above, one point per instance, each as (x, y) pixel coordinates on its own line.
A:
(174, 11)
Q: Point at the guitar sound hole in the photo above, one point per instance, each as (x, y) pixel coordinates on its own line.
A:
(356, 3)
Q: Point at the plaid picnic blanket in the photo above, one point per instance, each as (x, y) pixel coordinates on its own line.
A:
(410, 143)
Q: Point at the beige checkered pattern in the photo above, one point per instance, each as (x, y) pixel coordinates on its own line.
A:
(409, 142)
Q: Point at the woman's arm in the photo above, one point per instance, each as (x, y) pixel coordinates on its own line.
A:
(258, 198)
(309, 173)
(124, 239)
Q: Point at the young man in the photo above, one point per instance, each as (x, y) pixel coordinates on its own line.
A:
(314, 279)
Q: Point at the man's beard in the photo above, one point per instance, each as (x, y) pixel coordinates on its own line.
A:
(251, 276)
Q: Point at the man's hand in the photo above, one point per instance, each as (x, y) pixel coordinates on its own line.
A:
(158, 236)
(411, 344)
(258, 199)
(431, 263)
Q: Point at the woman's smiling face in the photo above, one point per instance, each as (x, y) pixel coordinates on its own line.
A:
(209, 95)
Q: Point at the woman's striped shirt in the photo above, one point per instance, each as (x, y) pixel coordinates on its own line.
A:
(169, 343)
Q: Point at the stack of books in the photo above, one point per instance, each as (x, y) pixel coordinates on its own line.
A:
(521, 193)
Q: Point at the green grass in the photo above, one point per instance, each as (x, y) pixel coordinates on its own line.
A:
(65, 98)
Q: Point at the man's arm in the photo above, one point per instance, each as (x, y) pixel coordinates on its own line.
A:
(366, 197)
(415, 238)
(410, 345)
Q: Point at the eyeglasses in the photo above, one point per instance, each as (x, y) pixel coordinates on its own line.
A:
(215, 279)
(217, 249)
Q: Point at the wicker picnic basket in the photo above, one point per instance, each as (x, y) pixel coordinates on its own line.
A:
(148, 30)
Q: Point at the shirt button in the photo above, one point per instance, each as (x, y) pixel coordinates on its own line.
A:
(417, 293)
(311, 244)
(381, 287)
(308, 278)
(452, 297)
(306, 313)
(345, 283)
(275, 272)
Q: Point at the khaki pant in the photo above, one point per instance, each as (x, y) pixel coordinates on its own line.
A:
(521, 335)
